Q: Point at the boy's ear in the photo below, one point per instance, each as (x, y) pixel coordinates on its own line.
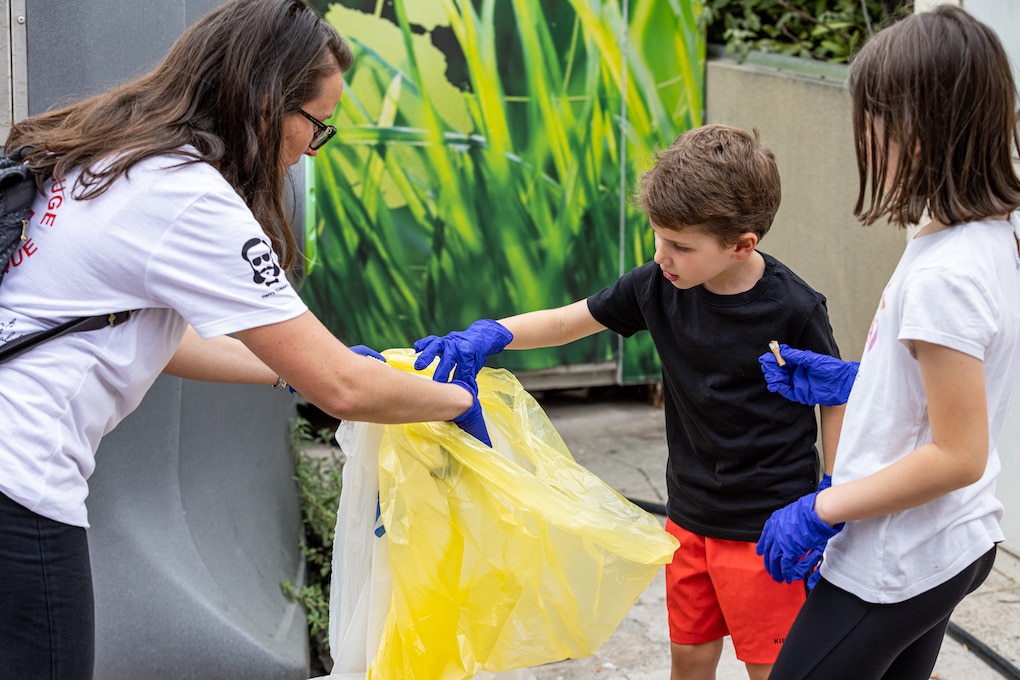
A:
(745, 245)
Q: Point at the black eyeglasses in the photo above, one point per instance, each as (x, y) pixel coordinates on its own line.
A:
(323, 132)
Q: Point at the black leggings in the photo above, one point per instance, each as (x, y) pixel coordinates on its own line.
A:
(838, 635)
(47, 628)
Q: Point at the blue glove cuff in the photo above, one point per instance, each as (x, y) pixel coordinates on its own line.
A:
(367, 352)
(472, 421)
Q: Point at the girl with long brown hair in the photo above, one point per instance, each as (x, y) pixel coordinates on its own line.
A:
(911, 520)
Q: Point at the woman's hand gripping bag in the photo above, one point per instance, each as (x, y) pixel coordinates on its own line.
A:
(498, 559)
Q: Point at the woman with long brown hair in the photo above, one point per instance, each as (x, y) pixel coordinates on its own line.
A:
(165, 196)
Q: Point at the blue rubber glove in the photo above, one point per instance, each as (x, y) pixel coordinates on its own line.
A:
(808, 377)
(466, 351)
(471, 421)
(793, 540)
(367, 352)
(825, 483)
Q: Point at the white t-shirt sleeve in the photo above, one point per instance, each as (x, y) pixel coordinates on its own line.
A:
(949, 309)
(216, 267)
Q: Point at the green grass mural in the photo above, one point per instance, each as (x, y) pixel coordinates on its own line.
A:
(485, 160)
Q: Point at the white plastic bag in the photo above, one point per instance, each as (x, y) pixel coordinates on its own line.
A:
(361, 585)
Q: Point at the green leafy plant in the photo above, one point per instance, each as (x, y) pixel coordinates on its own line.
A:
(319, 478)
(485, 158)
(827, 30)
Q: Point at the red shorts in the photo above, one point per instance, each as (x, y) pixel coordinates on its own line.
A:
(716, 587)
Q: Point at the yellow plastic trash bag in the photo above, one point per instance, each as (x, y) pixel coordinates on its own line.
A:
(499, 558)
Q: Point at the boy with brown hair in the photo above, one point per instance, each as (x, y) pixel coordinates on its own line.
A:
(737, 452)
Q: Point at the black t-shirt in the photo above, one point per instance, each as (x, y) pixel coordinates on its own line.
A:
(737, 452)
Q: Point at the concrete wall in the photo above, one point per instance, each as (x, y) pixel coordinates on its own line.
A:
(805, 118)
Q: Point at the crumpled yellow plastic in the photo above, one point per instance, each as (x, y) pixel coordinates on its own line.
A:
(502, 558)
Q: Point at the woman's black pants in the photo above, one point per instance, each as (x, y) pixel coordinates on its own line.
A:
(47, 620)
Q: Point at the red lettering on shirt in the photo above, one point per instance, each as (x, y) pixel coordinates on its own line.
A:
(28, 249)
(49, 218)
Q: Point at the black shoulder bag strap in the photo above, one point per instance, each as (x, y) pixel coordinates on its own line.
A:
(84, 323)
(17, 189)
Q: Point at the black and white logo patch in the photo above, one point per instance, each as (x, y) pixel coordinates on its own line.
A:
(262, 259)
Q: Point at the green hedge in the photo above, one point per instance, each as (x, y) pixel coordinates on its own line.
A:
(827, 30)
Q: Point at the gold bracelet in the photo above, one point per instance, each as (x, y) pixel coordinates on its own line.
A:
(281, 384)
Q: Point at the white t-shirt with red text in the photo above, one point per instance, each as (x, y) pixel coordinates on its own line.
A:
(174, 242)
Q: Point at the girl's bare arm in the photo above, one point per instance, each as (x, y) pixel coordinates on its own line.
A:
(954, 387)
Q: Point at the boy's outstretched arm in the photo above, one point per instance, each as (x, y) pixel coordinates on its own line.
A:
(551, 327)
(465, 352)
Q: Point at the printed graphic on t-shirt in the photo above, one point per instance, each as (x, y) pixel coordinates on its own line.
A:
(873, 331)
(7, 331)
(260, 256)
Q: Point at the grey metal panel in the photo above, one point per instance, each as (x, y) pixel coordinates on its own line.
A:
(81, 48)
(13, 73)
(1003, 16)
(6, 75)
(195, 521)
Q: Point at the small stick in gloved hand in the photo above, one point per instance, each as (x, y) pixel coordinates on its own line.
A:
(774, 346)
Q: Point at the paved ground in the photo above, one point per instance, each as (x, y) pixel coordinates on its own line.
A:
(619, 436)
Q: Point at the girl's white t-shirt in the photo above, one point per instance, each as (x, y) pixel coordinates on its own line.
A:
(959, 288)
(174, 242)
